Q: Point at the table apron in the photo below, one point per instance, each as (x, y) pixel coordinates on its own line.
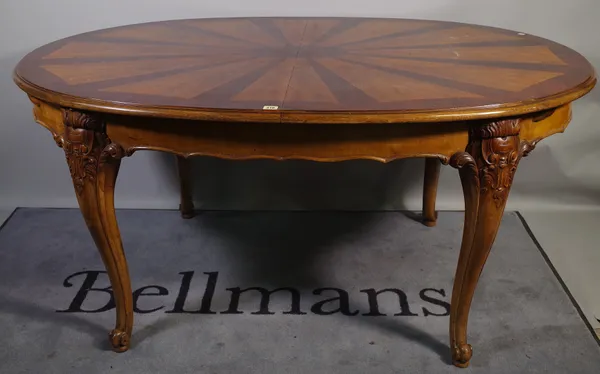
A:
(324, 142)
(294, 141)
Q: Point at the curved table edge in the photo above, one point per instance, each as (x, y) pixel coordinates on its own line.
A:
(296, 116)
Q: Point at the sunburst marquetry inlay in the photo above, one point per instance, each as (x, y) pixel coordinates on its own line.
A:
(306, 64)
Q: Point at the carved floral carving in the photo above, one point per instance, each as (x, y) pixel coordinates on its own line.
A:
(113, 152)
(82, 120)
(58, 139)
(527, 146)
(498, 164)
(493, 155)
(509, 127)
(81, 150)
(86, 147)
(463, 159)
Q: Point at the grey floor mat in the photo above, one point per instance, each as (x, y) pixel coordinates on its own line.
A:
(521, 320)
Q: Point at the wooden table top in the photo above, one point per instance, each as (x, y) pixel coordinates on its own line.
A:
(305, 69)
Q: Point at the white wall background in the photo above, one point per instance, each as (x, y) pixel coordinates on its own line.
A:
(562, 172)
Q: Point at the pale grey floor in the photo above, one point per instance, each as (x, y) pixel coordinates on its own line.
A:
(570, 239)
(5, 213)
(522, 321)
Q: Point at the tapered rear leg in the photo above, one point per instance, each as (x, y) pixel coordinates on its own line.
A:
(186, 205)
(430, 185)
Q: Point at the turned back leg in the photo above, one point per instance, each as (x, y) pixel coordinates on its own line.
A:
(430, 184)
(186, 205)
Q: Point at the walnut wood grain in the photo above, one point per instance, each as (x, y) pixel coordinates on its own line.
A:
(469, 176)
(291, 70)
(119, 136)
(430, 184)
(135, 133)
(487, 170)
(338, 89)
(329, 143)
(94, 161)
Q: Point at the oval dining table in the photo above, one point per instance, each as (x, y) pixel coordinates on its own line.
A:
(323, 89)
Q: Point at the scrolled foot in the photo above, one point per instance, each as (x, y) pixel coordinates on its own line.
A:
(119, 340)
(461, 355)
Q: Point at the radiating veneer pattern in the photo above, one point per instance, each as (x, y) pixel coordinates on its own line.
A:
(321, 89)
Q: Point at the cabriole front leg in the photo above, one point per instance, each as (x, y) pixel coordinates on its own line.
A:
(486, 169)
(94, 164)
